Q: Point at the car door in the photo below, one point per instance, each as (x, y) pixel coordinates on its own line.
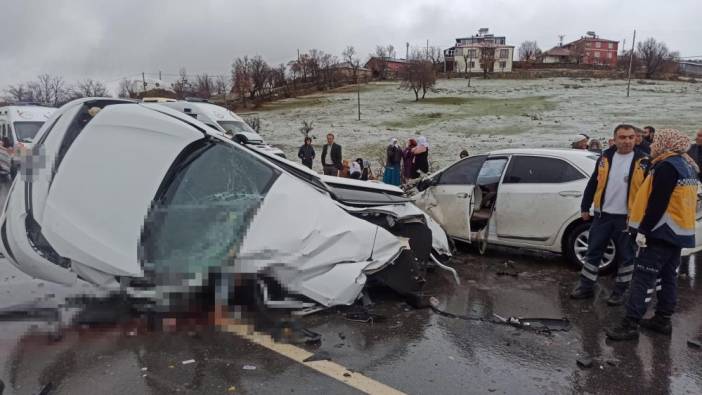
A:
(537, 196)
(449, 200)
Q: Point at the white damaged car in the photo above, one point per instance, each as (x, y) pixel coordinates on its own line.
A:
(144, 199)
(525, 198)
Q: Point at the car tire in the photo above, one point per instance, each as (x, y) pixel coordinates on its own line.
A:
(575, 246)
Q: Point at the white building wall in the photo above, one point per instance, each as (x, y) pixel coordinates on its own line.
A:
(460, 62)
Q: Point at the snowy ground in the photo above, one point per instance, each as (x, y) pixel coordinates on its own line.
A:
(491, 114)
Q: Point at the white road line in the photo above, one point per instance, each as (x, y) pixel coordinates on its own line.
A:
(328, 368)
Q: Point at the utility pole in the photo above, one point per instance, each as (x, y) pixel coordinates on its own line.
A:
(358, 92)
(159, 75)
(427, 49)
(631, 61)
(470, 64)
(143, 80)
(407, 51)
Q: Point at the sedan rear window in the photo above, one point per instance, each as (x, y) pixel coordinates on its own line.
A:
(540, 170)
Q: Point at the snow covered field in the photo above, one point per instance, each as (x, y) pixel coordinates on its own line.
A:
(491, 114)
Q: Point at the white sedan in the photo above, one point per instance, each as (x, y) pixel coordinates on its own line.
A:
(528, 198)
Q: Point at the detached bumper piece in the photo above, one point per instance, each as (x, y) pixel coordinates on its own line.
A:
(406, 277)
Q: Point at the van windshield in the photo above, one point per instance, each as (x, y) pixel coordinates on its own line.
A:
(234, 127)
(25, 131)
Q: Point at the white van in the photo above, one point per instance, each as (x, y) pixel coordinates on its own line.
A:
(18, 126)
(224, 121)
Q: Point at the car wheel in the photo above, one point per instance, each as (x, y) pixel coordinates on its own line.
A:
(576, 245)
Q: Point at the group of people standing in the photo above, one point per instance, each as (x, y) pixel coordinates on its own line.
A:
(406, 163)
(332, 162)
(401, 163)
(646, 204)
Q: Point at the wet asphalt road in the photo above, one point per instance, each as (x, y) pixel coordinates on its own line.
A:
(414, 351)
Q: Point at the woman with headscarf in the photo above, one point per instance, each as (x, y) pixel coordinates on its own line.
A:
(421, 157)
(392, 163)
(408, 160)
(663, 216)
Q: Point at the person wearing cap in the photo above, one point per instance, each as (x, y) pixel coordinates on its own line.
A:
(619, 172)
(663, 217)
(580, 141)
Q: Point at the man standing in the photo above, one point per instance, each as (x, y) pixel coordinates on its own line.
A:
(618, 174)
(641, 143)
(331, 157)
(695, 151)
(649, 133)
(306, 153)
(663, 214)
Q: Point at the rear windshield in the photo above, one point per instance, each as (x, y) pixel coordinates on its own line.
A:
(26, 131)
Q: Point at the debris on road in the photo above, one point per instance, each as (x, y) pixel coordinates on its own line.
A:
(694, 343)
(249, 367)
(584, 362)
(188, 362)
(318, 356)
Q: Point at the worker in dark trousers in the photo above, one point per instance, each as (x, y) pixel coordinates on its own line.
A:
(663, 216)
(618, 174)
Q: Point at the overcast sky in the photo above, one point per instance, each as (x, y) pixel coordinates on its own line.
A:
(109, 40)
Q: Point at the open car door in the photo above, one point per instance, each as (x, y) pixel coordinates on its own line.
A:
(451, 197)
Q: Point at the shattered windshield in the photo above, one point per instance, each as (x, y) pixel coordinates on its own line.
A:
(203, 215)
(26, 131)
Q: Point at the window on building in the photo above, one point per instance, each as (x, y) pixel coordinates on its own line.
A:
(598, 45)
(472, 53)
(587, 45)
(504, 53)
(471, 64)
(610, 45)
(503, 65)
(610, 55)
(597, 54)
(539, 170)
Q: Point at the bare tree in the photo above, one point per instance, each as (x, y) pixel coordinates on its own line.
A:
(241, 77)
(652, 55)
(19, 92)
(259, 76)
(182, 87)
(221, 85)
(49, 89)
(349, 55)
(419, 75)
(529, 51)
(435, 55)
(128, 89)
(468, 55)
(380, 62)
(487, 59)
(204, 86)
(89, 88)
(327, 65)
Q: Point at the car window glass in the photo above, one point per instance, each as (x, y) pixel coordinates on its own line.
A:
(464, 172)
(491, 171)
(26, 131)
(205, 211)
(540, 170)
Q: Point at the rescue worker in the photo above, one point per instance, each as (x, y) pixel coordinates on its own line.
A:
(663, 217)
(619, 173)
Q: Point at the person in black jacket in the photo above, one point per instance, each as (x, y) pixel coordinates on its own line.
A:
(695, 151)
(331, 157)
(306, 153)
(641, 143)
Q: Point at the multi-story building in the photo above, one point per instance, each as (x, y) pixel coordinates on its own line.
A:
(482, 49)
(589, 49)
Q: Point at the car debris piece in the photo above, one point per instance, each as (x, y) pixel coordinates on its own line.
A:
(46, 389)
(249, 367)
(318, 356)
(584, 362)
(188, 362)
(694, 343)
